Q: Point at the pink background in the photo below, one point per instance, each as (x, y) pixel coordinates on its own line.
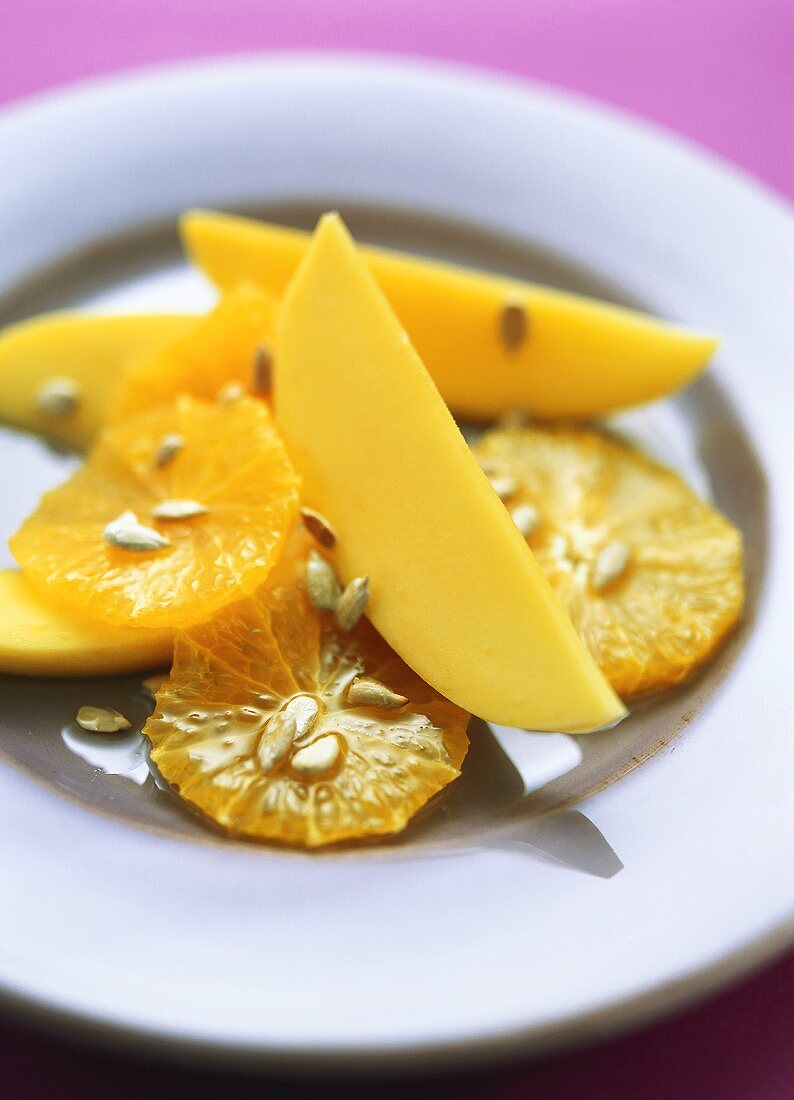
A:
(717, 71)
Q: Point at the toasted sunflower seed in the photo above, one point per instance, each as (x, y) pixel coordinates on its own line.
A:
(513, 325)
(127, 533)
(262, 371)
(317, 758)
(167, 449)
(321, 582)
(366, 691)
(304, 710)
(57, 397)
(229, 393)
(178, 509)
(319, 527)
(351, 604)
(277, 737)
(526, 517)
(610, 564)
(102, 720)
(504, 485)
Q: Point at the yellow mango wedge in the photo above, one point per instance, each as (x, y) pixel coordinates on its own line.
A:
(455, 589)
(490, 343)
(44, 360)
(39, 637)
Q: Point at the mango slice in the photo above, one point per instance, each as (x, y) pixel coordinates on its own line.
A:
(490, 343)
(46, 360)
(455, 589)
(39, 637)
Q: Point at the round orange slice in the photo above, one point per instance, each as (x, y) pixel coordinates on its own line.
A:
(650, 574)
(277, 726)
(175, 513)
(228, 348)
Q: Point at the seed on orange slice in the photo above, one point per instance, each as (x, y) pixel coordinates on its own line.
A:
(140, 543)
(650, 574)
(227, 345)
(256, 728)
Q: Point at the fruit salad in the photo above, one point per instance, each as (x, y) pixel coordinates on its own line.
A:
(278, 509)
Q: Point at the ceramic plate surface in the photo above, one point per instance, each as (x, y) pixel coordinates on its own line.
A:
(543, 902)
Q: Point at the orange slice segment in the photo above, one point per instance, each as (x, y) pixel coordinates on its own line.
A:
(255, 730)
(230, 344)
(227, 461)
(650, 574)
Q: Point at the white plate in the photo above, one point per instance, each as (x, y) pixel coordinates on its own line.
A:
(519, 933)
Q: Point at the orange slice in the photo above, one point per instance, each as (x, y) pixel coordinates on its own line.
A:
(230, 344)
(222, 468)
(650, 574)
(255, 729)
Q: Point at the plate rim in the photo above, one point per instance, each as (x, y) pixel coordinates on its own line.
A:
(449, 70)
(588, 1028)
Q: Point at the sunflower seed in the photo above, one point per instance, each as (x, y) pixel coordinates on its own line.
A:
(262, 371)
(610, 564)
(178, 509)
(526, 518)
(229, 393)
(101, 720)
(167, 449)
(513, 325)
(351, 604)
(57, 397)
(127, 533)
(277, 737)
(319, 527)
(303, 710)
(366, 691)
(504, 485)
(321, 582)
(317, 758)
